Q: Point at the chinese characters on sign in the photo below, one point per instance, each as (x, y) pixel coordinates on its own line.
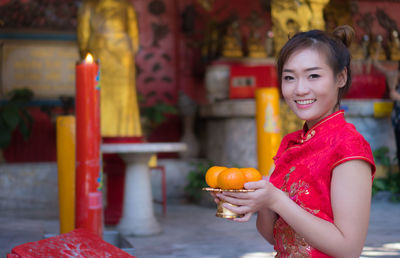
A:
(46, 67)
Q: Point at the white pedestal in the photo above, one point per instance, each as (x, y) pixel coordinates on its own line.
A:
(138, 213)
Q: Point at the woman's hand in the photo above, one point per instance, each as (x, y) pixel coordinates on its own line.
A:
(392, 78)
(216, 199)
(250, 202)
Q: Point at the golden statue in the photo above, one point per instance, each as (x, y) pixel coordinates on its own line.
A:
(269, 44)
(108, 29)
(395, 46)
(292, 16)
(377, 52)
(232, 45)
(317, 9)
(256, 46)
(360, 51)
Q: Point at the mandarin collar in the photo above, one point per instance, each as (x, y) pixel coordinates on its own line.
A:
(306, 135)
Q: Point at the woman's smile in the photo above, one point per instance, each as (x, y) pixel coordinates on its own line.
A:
(305, 103)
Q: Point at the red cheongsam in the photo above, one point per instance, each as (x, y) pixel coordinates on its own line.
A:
(303, 168)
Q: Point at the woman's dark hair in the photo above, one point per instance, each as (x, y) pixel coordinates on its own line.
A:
(335, 45)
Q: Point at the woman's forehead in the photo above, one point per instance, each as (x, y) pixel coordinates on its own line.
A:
(307, 57)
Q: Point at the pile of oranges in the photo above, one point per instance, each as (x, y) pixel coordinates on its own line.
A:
(231, 178)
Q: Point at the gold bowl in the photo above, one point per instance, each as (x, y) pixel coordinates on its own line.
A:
(223, 212)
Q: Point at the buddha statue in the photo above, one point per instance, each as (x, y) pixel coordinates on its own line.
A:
(360, 51)
(395, 46)
(108, 29)
(269, 44)
(255, 45)
(232, 45)
(377, 52)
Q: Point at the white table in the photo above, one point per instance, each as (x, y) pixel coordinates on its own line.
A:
(137, 210)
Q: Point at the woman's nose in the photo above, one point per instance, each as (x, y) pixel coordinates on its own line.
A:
(301, 87)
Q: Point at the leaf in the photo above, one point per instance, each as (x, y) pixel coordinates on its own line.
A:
(10, 115)
(5, 134)
(5, 139)
(21, 95)
(23, 128)
(159, 118)
(380, 184)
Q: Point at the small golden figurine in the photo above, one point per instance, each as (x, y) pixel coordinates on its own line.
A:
(395, 46)
(269, 44)
(255, 45)
(360, 51)
(232, 45)
(377, 51)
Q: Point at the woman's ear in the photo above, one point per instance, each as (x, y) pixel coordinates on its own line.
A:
(341, 78)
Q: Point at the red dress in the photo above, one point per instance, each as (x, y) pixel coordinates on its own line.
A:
(303, 169)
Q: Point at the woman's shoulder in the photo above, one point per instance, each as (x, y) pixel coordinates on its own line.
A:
(353, 145)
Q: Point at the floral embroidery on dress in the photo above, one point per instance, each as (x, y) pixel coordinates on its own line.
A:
(292, 244)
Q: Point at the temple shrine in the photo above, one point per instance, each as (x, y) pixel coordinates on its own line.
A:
(170, 83)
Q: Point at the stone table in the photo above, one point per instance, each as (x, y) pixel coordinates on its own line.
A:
(137, 212)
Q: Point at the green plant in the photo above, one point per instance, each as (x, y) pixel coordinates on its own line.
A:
(14, 115)
(391, 183)
(381, 156)
(155, 114)
(196, 180)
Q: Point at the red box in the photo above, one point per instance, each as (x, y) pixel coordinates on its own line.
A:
(244, 80)
(367, 86)
(77, 243)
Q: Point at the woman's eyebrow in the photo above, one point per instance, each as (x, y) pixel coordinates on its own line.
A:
(307, 70)
(288, 71)
(313, 68)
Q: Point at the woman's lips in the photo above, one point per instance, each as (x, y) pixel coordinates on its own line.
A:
(304, 103)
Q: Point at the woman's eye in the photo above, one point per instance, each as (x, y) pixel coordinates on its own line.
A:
(314, 76)
(288, 78)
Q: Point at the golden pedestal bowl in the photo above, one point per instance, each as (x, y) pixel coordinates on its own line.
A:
(223, 212)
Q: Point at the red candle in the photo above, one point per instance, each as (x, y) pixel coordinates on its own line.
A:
(88, 207)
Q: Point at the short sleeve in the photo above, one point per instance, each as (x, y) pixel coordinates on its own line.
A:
(353, 146)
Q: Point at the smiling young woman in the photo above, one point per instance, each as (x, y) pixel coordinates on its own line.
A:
(317, 200)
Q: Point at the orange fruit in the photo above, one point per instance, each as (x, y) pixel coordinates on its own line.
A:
(212, 175)
(251, 174)
(231, 178)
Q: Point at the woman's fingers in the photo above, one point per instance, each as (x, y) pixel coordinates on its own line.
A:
(245, 218)
(232, 200)
(256, 184)
(234, 195)
(239, 209)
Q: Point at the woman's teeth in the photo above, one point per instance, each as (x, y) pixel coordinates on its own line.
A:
(305, 102)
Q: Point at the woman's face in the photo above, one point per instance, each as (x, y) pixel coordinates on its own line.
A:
(309, 85)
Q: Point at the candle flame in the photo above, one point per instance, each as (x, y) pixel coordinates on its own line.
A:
(89, 58)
